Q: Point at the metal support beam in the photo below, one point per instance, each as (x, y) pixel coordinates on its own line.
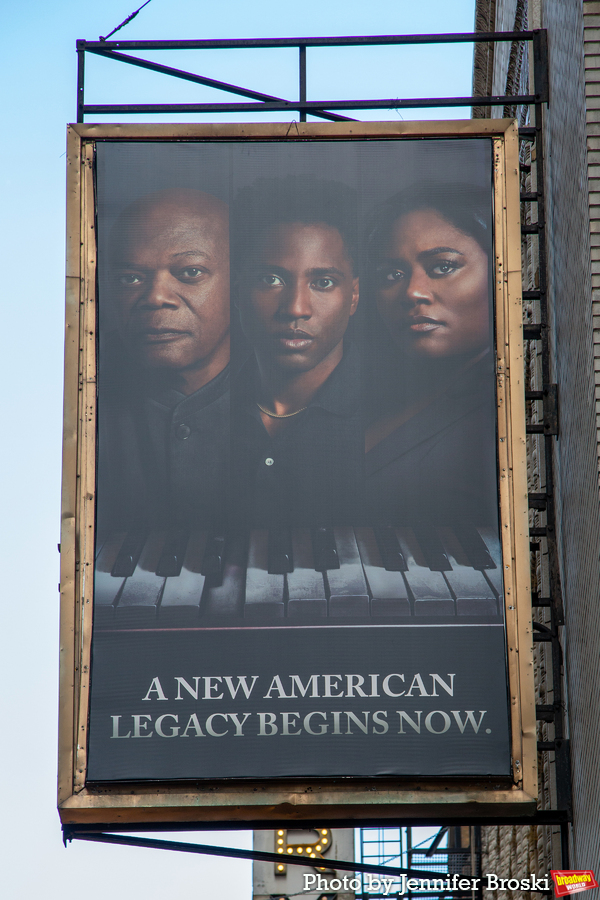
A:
(200, 79)
(492, 37)
(540, 66)
(540, 817)
(80, 80)
(302, 67)
(209, 850)
(315, 107)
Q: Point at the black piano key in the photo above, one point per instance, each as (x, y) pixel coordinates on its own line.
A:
(324, 549)
(265, 592)
(432, 548)
(306, 586)
(280, 561)
(389, 596)
(348, 592)
(139, 598)
(429, 589)
(474, 546)
(389, 548)
(224, 597)
(473, 594)
(172, 556)
(182, 594)
(107, 585)
(492, 542)
(129, 554)
(214, 557)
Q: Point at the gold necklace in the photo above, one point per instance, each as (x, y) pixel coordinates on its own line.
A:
(273, 415)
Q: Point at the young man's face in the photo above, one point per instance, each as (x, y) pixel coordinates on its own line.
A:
(298, 296)
(171, 280)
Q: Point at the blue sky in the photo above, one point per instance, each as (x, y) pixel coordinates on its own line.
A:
(38, 74)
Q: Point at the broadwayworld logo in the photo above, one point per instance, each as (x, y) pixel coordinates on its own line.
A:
(571, 881)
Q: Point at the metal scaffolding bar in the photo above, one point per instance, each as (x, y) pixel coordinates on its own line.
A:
(492, 37)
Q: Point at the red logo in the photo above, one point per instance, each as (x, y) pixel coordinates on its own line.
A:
(571, 881)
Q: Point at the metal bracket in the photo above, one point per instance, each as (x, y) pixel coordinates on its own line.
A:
(550, 399)
(540, 66)
(207, 850)
(549, 396)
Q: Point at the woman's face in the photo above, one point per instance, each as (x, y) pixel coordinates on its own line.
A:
(432, 287)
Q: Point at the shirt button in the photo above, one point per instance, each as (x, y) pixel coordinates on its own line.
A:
(183, 432)
(269, 461)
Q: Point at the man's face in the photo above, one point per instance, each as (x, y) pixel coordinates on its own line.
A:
(298, 296)
(172, 284)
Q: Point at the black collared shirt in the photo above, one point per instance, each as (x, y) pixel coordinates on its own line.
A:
(163, 456)
(440, 465)
(310, 472)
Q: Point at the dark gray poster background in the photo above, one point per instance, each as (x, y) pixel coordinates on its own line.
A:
(466, 733)
(125, 671)
(377, 169)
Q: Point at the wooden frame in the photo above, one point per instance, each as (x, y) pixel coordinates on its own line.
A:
(227, 803)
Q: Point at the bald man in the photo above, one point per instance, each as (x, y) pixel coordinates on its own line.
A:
(164, 364)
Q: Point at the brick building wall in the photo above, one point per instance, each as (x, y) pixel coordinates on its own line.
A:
(591, 19)
(572, 153)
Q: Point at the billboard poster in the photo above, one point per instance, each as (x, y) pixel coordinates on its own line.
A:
(298, 566)
(295, 546)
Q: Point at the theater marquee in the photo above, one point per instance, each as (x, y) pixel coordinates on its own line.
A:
(295, 561)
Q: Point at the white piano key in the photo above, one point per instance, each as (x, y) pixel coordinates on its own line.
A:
(180, 602)
(139, 599)
(389, 596)
(173, 553)
(348, 593)
(324, 549)
(226, 599)
(213, 563)
(264, 592)
(494, 576)
(431, 593)
(107, 586)
(306, 588)
(280, 551)
(472, 592)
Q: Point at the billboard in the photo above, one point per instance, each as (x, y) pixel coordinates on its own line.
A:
(295, 500)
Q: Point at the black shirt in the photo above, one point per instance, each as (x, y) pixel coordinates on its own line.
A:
(163, 456)
(311, 471)
(440, 465)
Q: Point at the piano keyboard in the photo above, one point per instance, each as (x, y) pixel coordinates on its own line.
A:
(179, 579)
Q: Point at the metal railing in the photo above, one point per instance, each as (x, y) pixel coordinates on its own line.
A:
(270, 103)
